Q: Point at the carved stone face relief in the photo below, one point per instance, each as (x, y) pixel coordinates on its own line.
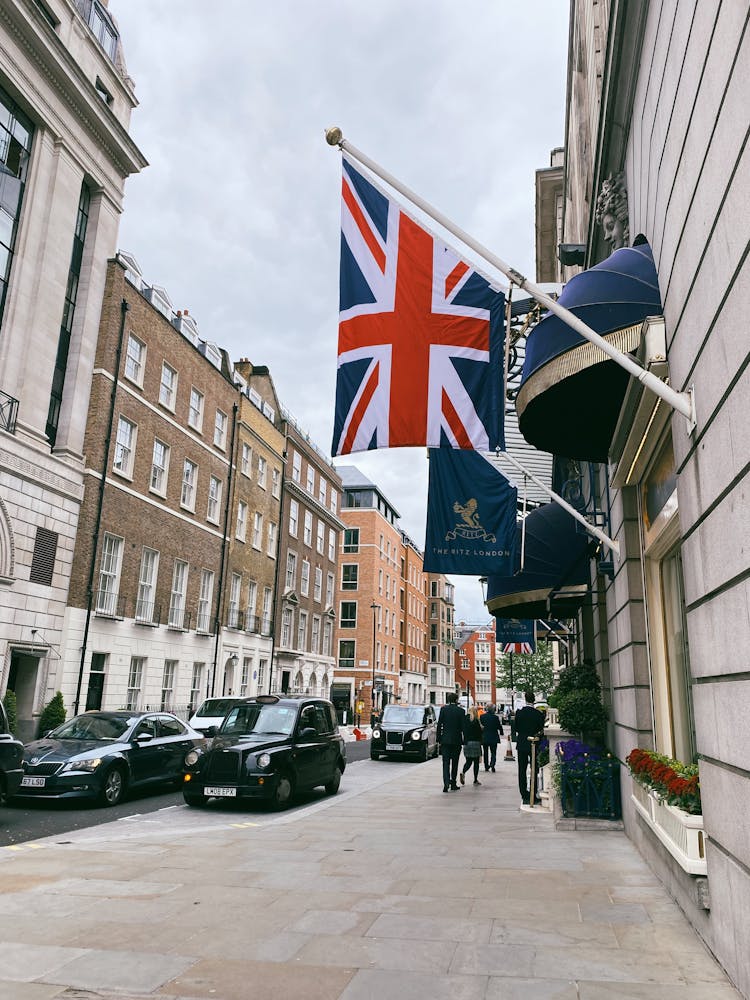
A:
(612, 211)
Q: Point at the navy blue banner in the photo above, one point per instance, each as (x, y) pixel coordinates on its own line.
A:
(516, 632)
(471, 516)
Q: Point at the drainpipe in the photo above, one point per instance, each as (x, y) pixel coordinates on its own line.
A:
(124, 309)
(222, 566)
(274, 616)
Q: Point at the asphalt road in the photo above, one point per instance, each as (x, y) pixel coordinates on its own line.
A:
(23, 820)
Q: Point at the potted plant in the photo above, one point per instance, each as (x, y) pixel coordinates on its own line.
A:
(587, 780)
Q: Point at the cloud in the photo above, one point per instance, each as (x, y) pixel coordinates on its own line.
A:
(237, 215)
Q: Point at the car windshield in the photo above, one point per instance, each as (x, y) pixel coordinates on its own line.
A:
(92, 727)
(277, 720)
(406, 715)
(216, 707)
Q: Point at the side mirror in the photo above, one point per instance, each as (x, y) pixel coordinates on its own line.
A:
(212, 731)
(144, 738)
(308, 733)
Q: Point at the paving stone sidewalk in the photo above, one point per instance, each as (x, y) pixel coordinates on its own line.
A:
(392, 890)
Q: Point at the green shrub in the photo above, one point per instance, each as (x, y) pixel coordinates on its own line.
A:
(53, 714)
(582, 712)
(11, 710)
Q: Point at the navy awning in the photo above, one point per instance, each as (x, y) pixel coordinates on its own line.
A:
(571, 393)
(555, 578)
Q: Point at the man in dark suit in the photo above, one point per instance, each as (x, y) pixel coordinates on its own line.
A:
(450, 736)
(529, 721)
(492, 730)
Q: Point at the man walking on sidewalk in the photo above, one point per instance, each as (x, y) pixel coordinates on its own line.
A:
(492, 730)
(450, 738)
(529, 722)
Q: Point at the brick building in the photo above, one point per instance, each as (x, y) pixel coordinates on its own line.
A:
(303, 659)
(475, 656)
(413, 625)
(369, 595)
(65, 152)
(441, 616)
(160, 539)
(251, 573)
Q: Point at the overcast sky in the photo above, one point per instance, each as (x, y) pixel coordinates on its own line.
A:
(238, 213)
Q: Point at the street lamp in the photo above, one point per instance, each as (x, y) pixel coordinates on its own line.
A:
(375, 608)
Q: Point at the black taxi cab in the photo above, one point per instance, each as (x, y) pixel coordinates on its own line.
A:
(268, 747)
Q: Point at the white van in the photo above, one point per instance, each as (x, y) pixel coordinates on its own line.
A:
(212, 712)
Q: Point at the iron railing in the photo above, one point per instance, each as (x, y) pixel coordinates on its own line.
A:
(8, 412)
(591, 788)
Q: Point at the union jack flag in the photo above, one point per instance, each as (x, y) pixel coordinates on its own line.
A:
(518, 647)
(420, 357)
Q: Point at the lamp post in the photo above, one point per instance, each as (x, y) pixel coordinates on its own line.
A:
(375, 608)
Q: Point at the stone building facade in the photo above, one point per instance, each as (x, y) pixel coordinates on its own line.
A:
(65, 152)
(657, 121)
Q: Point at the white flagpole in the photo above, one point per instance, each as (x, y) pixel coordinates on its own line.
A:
(591, 528)
(683, 402)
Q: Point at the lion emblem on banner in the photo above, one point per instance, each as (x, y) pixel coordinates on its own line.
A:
(471, 527)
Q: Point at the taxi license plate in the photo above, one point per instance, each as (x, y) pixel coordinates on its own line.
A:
(220, 791)
(393, 746)
(29, 782)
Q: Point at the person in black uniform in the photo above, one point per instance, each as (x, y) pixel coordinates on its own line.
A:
(529, 721)
(492, 730)
(450, 738)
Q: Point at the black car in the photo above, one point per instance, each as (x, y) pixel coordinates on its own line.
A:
(405, 729)
(11, 754)
(101, 755)
(268, 747)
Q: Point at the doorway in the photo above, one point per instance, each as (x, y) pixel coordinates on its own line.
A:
(23, 678)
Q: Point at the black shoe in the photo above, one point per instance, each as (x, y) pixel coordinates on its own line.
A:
(455, 788)
(487, 769)
(477, 782)
(445, 788)
(492, 769)
(525, 802)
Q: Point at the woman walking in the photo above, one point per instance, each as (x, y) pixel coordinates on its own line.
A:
(472, 744)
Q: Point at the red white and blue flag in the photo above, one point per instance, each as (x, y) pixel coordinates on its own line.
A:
(420, 358)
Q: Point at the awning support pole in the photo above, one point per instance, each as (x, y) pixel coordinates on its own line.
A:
(682, 402)
(591, 528)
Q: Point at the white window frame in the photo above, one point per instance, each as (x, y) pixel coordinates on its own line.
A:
(276, 483)
(195, 409)
(304, 581)
(168, 386)
(322, 491)
(307, 532)
(334, 501)
(330, 585)
(240, 531)
(251, 607)
(290, 581)
(125, 443)
(189, 486)
(221, 421)
(296, 467)
(235, 595)
(302, 631)
(110, 565)
(135, 363)
(213, 507)
(257, 530)
(315, 634)
(332, 545)
(159, 473)
(318, 586)
(246, 463)
(262, 472)
(320, 540)
(135, 682)
(271, 539)
(196, 684)
(169, 676)
(148, 574)
(310, 484)
(293, 518)
(177, 594)
(287, 624)
(203, 620)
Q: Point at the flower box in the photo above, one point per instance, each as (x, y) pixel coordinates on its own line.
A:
(680, 832)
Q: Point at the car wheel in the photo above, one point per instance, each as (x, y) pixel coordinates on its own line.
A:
(374, 756)
(283, 792)
(113, 787)
(423, 753)
(196, 799)
(333, 785)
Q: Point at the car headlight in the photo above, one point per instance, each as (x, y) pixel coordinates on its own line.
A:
(83, 765)
(376, 734)
(417, 734)
(263, 759)
(192, 757)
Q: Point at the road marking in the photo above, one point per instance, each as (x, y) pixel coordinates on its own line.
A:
(241, 826)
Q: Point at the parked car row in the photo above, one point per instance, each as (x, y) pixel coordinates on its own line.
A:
(267, 747)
